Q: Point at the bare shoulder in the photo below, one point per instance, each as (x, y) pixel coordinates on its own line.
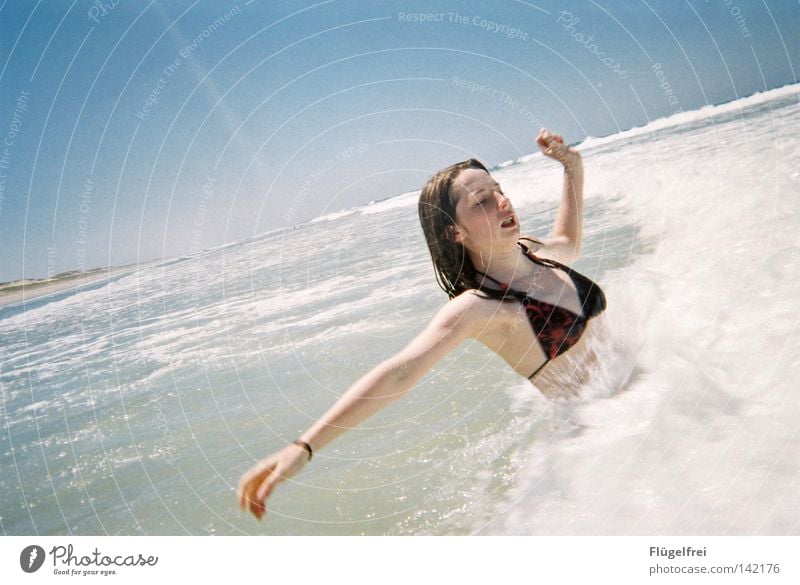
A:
(470, 311)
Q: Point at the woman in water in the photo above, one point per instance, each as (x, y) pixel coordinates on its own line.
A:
(510, 292)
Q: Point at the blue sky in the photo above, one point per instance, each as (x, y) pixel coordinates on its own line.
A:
(135, 130)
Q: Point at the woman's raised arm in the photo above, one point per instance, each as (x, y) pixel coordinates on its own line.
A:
(456, 321)
(564, 244)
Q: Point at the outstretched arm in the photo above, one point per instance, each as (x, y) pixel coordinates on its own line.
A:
(565, 241)
(382, 385)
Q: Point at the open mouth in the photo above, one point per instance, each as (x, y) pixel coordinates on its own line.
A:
(510, 222)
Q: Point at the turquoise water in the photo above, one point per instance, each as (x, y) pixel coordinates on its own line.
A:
(132, 406)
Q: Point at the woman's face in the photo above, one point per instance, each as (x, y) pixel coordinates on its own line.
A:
(484, 215)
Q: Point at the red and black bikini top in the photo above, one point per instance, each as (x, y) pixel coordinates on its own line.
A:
(557, 328)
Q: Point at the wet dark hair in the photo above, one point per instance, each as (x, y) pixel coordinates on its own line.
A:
(452, 265)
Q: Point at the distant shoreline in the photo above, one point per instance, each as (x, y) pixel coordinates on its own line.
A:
(30, 288)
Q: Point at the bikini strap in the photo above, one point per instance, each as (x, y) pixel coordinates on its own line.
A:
(547, 361)
(504, 288)
(531, 256)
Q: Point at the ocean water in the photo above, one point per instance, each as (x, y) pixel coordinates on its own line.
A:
(131, 406)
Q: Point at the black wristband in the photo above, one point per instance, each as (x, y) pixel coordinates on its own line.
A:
(305, 446)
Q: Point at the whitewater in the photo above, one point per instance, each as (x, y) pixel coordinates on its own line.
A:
(131, 405)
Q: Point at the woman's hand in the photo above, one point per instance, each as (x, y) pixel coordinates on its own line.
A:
(552, 145)
(257, 484)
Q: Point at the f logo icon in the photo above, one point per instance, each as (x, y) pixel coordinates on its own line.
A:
(31, 558)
